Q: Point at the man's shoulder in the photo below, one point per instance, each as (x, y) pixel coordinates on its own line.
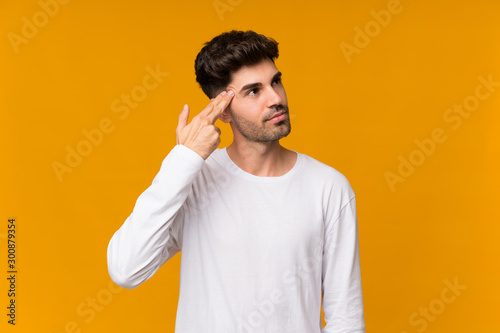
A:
(311, 163)
(217, 159)
(322, 172)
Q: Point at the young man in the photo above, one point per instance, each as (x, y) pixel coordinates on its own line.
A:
(266, 233)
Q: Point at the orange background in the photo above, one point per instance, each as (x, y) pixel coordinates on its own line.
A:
(359, 112)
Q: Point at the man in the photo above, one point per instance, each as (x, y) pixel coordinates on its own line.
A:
(266, 233)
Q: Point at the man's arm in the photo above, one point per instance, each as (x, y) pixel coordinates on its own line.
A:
(342, 293)
(152, 234)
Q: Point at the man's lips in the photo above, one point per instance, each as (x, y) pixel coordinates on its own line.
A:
(278, 117)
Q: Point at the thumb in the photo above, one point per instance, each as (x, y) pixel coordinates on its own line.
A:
(183, 119)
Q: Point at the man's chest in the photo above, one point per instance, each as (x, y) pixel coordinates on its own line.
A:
(256, 219)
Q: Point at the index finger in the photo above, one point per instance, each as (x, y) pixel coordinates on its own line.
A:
(220, 103)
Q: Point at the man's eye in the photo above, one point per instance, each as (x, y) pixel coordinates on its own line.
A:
(277, 81)
(252, 92)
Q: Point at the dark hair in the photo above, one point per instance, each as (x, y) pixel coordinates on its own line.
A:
(227, 53)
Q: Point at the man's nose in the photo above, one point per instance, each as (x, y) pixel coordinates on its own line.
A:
(273, 98)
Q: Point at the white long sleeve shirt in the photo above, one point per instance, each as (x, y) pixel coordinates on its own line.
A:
(257, 252)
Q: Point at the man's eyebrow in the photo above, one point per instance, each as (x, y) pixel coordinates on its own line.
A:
(250, 86)
(258, 84)
(277, 76)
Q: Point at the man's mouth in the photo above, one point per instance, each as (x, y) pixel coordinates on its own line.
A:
(277, 117)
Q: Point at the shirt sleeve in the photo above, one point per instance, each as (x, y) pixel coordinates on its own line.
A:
(341, 277)
(152, 233)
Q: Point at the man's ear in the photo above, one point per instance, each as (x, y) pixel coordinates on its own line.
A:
(224, 116)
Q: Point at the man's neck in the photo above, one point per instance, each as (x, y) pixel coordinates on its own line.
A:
(264, 159)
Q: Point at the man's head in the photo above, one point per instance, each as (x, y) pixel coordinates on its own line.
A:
(227, 53)
(244, 63)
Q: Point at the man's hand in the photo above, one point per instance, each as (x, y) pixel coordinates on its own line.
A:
(201, 135)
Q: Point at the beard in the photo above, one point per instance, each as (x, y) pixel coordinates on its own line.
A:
(264, 131)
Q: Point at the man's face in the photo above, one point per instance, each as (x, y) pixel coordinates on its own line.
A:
(259, 109)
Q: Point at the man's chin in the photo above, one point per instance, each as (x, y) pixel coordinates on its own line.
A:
(285, 132)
